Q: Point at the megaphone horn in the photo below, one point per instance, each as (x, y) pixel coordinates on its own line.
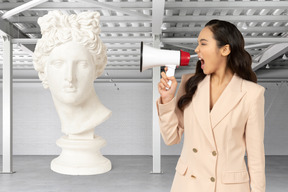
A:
(153, 57)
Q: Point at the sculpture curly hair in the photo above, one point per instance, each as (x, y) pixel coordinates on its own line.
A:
(58, 28)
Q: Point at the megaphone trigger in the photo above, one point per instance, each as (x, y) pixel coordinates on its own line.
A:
(170, 73)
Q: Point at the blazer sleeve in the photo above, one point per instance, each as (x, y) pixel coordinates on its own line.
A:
(171, 117)
(254, 138)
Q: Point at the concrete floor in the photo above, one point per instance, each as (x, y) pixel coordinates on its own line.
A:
(129, 174)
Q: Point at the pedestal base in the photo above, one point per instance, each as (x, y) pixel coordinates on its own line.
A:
(81, 157)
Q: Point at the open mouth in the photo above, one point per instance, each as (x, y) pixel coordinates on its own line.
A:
(202, 62)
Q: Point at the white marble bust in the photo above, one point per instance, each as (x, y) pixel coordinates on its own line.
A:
(69, 57)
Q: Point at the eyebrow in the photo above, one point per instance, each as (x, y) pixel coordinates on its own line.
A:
(203, 40)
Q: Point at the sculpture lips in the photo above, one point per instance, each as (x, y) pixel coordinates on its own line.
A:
(70, 89)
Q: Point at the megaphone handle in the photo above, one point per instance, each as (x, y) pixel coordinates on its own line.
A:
(169, 73)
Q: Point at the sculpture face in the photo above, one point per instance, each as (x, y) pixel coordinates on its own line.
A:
(70, 73)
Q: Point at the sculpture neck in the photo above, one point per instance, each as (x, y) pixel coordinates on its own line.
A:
(82, 118)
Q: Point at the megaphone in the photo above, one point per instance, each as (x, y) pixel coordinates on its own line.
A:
(153, 57)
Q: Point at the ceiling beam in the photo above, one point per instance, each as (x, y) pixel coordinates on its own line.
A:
(123, 46)
(225, 4)
(181, 19)
(249, 29)
(231, 18)
(110, 59)
(257, 45)
(177, 46)
(271, 53)
(192, 47)
(21, 8)
(126, 19)
(19, 64)
(247, 40)
(117, 9)
(128, 29)
(164, 40)
(9, 29)
(37, 30)
(168, 5)
(27, 52)
(78, 5)
(104, 39)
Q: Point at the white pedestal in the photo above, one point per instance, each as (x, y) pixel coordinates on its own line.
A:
(81, 157)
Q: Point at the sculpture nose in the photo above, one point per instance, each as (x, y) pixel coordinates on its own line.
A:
(70, 72)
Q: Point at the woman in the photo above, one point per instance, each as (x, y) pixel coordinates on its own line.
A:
(221, 109)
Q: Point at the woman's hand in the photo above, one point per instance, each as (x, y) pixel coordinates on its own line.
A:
(167, 95)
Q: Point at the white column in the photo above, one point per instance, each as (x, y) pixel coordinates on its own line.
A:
(7, 105)
(156, 129)
(157, 20)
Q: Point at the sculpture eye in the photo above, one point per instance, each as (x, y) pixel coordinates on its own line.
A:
(57, 64)
(82, 64)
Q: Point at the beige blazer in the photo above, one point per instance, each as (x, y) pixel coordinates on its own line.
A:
(212, 157)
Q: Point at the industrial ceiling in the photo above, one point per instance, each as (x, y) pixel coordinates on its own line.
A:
(174, 23)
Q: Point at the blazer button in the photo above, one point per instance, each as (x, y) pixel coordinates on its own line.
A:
(212, 179)
(195, 150)
(214, 153)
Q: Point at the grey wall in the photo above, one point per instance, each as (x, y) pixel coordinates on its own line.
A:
(276, 121)
(128, 131)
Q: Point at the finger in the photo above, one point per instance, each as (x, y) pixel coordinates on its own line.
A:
(161, 86)
(172, 78)
(164, 82)
(163, 75)
(160, 90)
(173, 81)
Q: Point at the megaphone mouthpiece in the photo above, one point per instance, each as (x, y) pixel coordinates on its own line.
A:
(185, 58)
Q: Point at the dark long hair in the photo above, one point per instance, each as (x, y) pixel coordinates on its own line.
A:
(239, 60)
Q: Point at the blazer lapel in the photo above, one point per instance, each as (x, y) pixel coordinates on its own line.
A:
(227, 100)
(225, 103)
(200, 105)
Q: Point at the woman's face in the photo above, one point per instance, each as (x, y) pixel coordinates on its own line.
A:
(212, 58)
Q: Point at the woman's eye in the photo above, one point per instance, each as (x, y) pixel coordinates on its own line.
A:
(201, 44)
